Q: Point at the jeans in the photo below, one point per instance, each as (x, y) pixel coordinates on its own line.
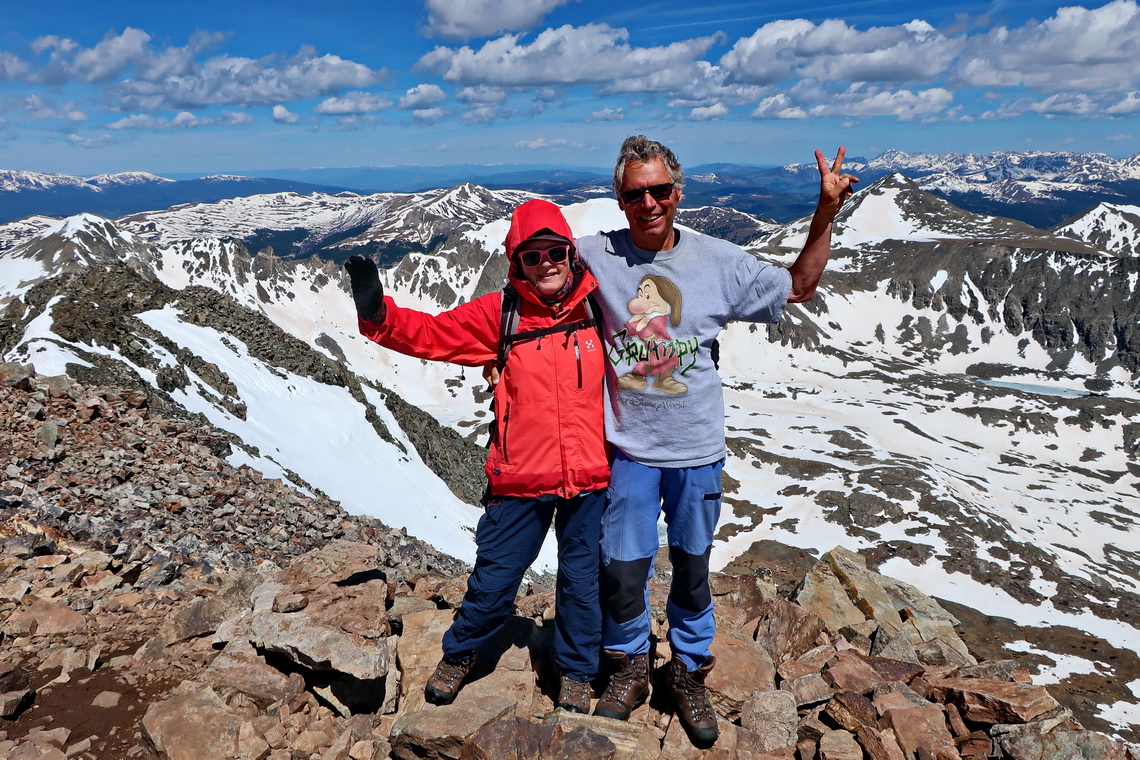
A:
(508, 538)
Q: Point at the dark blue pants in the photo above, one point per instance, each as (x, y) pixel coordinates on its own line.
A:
(507, 540)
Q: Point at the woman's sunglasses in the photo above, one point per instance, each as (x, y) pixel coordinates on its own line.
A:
(556, 254)
(659, 192)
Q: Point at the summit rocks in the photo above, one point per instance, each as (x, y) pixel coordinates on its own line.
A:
(157, 603)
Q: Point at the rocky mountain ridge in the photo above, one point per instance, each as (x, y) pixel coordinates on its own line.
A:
(276, 626)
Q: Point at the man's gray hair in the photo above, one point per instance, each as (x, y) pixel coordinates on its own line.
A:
(641, 149)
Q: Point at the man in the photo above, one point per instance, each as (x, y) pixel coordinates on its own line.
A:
(665, 297)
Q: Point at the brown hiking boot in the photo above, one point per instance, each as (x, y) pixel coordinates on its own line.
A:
(692, 700)
(444, 683)
(575, 695)
(629, 685)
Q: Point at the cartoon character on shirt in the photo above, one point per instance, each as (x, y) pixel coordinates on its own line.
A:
(656, 306)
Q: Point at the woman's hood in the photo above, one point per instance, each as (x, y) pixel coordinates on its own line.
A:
(533, 217)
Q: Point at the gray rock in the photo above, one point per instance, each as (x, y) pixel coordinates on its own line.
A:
(772, 716)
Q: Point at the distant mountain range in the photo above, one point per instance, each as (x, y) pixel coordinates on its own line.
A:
(1044, 189)
(23, 194)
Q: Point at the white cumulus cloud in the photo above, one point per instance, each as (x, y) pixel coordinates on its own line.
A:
(569, 55)
(709, 113)
(353, 103)
(428, 115)
(422, 96)
(1077, 50)
(835, 51)
(43, 108)
(283, 115)
(541, 143)
(182, 120)
(463, 20)
(607, 114)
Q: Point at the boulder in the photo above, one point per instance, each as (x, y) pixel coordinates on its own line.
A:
(772, 717)
(518, 739)
(921, 728)
(808, 690)
(823, 594)
(742, 667)
(786, 630)
(45, 618)
(441, 732)
(981, 700)
(1072, 745)
(862, 585)
(632, 740)
(342, 626)
(193, 724)
(839, 745)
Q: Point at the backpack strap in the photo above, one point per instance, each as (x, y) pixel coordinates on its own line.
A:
(509, 324)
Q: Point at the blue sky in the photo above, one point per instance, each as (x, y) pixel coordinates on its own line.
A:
(209, 87)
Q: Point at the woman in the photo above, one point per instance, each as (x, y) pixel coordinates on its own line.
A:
(547, 459)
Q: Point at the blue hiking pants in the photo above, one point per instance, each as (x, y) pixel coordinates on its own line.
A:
(690, 497)
(507, 540)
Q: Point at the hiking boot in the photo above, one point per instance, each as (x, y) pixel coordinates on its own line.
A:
(444, 683)
(692, 700)
(575, 695)
(629, 685)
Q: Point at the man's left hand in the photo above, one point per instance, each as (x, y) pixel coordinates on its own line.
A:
(834, 187)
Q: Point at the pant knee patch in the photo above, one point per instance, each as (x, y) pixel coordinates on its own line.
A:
(690, 590)
(624, 585)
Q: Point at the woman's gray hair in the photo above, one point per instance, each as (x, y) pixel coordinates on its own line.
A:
(641, 149)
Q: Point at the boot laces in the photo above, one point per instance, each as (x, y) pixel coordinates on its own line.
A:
(695, 696)
(576, 691)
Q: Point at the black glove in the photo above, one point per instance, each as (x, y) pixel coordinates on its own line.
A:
(367, 291)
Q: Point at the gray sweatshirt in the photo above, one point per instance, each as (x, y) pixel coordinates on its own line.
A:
(663, 310)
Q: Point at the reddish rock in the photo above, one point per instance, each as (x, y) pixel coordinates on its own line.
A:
(786, 630)
(850, 671)
(746, 593)
(877, 745)
(45, 619)
(823, 594)
(742, 667)
(839, 745)
(981, 700)
(850, 710)
(808, 690)
(976, 744)
(921, 727)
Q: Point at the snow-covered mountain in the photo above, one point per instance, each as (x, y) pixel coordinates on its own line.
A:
(24, 193)
(1050, 166)
(1038, 187)
(13, 181)
(960, 402)
(1113, 228)
(338, 225)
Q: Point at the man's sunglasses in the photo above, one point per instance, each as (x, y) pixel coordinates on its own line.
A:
(556, 254)
(659, 192)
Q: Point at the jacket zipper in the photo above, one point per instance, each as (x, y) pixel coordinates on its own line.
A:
(578, 358)
(506, 424)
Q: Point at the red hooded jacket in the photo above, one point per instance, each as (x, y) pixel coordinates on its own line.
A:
(549, 436)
